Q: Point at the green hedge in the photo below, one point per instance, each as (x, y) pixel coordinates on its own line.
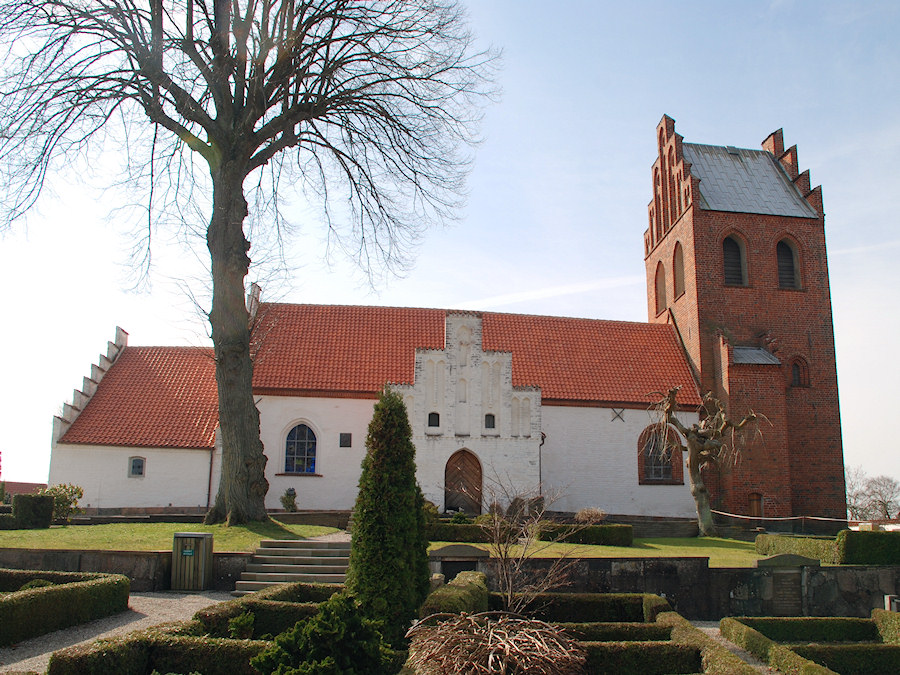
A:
(820, 548)
(814, 629)
(640, 658)
(616, 631)
(141, 652)
(715, 658)
(854, 659)
(467, 592)
(590, 607)
(33, 512)
(448, 532)
(8, 522)
(776, 655)
(868, 548)
(78, 598)
(888, 624)
(597, 535)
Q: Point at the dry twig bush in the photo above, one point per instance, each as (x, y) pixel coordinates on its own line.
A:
(492, 643)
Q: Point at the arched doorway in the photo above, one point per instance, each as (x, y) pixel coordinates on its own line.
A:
(462, 483)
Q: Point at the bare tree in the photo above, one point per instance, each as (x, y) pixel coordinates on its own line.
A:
(371, 104)
(713, 441)
(883, 497)
(857, 502)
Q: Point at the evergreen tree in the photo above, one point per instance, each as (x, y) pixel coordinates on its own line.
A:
(388, 559)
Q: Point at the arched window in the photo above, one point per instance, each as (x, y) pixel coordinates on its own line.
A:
(659, 456)
(660, 288)
(490, 421)
(734, 262)
(300, 450)
(434, 419)
(788, 276)
(678, 270)
(799, 375)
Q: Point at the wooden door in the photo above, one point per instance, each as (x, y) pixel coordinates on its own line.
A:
(462, 483)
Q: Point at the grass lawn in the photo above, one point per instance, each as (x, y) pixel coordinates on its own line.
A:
(154, 536)
(721, 552)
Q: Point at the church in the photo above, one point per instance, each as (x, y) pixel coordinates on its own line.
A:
(738, 304)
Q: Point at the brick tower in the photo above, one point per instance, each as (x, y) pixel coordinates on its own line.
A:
(735, 259)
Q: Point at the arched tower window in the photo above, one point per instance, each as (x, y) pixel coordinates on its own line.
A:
(660, 288)
(788, 267)
(678, 270)
(734, 262)
(300, 450)
(799, 373)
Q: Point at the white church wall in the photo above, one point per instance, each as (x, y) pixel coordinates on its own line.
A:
(334, 483)
(590, 459)
(172, 477)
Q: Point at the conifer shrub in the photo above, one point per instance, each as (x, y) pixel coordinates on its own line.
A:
(33, 512)
(388, 569)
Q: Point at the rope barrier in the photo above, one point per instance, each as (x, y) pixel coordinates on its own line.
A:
(782, 518)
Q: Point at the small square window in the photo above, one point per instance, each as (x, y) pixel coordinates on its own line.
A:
(489, 421)
(346, 440)
(434, 419)
(136, 467)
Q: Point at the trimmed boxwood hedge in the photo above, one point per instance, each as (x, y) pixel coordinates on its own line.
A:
(467, 592)
(645, 658)
(591, 607)
(715, 658)
(776, 655)
(820, 548)
(814, 629)
(33, 512)
(597, 535)
(442, 531)
(616, 631)
(888, 624)
(875, 659)
(76, 598)
(868, 548)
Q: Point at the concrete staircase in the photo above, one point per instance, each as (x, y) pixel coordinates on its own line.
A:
(283, 561)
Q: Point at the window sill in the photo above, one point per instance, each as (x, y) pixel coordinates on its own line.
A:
(298, 473)
(433, 431)
(490, 433)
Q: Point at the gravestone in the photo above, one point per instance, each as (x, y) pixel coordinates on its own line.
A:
(787, 581)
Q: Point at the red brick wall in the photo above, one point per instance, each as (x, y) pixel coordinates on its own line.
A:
(800, 470)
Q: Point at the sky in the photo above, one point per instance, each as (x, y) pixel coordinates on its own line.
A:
(557, 201)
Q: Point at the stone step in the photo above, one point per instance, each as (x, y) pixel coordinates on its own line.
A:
(293, 577)
(301, 559)
(304, 552)
(255, 567)
(304, 543)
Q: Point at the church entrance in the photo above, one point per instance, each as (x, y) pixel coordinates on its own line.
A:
(462, 483)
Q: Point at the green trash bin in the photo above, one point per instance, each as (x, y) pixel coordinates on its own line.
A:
(192, 561)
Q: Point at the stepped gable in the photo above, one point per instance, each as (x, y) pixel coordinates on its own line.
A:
(155, 397)
(347, 350)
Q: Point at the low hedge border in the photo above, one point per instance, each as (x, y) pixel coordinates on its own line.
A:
(868, 548)
(869, 659)
(616, 631)
(143, 651)
(823, 549)
(593, 607)
(814, 629)
(595, 535)
(778, 656)
(715, 658)
(450, 532)
(467, 592)
(78, 598)
(645, 658)
(888, 624)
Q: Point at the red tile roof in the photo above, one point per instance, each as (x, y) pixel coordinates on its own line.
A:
(166, 396)
(153, 397)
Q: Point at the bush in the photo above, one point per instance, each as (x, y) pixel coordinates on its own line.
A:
(241, 626)
(337, 640)
(646, 658)
(868, 548)
(388, 570)
(814, 629)
(74, 599)
(65, 500)
(588, 607)
(716, 659)
(460, 518)
(888, 624)
(820, 548)
(777, 656)
(597, 535)
(447, 532)
(854, 659)
(8, 522)
(430, 511)
(33, 512)
(467, 592)
(616, 631)
(590, 516)
(36, 583)
(289, 500)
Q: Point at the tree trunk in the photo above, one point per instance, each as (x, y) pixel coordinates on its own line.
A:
(700, 493)
(243, 485)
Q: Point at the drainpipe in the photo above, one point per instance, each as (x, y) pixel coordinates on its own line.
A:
(540, 465)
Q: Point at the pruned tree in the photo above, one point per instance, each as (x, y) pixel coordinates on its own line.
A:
(713, 441)
(370, 104)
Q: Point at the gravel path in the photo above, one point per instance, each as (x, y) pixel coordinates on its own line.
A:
(711, 628)
(144, 610)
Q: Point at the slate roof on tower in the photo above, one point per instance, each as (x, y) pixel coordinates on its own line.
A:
(166, 396)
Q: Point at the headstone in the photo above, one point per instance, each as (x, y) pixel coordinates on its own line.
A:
(786, 597)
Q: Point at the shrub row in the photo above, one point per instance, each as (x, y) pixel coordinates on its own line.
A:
(715, 658)
(442, 531)
(778, 656)
(467, 592)
(644, 658)
(592, 607)
(616, 631)
(814, 629)
(597, 535)
(868, 548)
(848, 548)
(888, 624)
(29, 512)
(820, 548)
(78, 598)
(875, 659)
